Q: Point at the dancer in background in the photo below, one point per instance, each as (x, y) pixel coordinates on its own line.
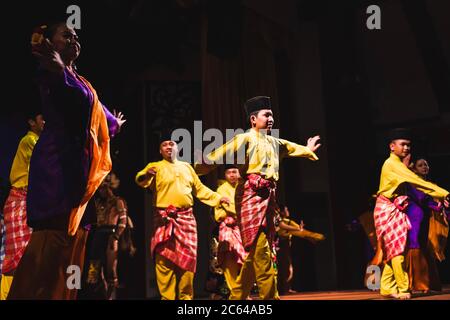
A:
(174, 240)
(16, 231)
(231, 253)
(420, 260)
(286, 229)
(103, 243)
(391, 221)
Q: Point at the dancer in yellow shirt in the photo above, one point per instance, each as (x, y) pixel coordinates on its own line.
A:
(391, 222)
(174, 241)
(17, 233)
(258, 156)
(231, 253)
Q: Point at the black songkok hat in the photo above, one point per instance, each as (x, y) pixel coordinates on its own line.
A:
(400, 133)
(229, 166)
(165, 135)
(256, 104)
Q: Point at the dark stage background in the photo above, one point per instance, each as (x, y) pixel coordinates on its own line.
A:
(200, 60)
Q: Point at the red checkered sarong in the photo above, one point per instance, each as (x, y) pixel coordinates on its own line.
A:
(175, 237)
(255, 207)
(17, 233)
(230, 234)
(392, 224)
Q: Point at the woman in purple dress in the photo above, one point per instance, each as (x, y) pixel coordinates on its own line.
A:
(420, 260)
(68, 164)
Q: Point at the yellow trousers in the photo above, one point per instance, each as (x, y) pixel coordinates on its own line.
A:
(5, 286)
(257, 266)
(173, 282)
(394, 278)
(231, 270)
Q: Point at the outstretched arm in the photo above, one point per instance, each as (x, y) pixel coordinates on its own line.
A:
(287, 227)
(115, 121)
(219, 155)
(205, 194)
(401, 173)
(292, 149)
(146, 176)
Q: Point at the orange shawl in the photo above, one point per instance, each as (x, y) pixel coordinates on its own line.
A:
(101, 163)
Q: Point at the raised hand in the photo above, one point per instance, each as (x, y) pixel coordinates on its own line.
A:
(311, 144)
(48, 57)
(119, 117)
(151, 172)
(225, 200)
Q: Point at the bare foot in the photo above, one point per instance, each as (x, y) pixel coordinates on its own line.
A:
(404, 296)
(391, 296)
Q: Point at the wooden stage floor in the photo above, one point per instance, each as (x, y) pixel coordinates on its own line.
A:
(362, 295)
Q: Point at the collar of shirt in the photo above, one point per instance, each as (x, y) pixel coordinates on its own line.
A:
(260, 134)
(175, 161)
(395, 158)
(33, 134)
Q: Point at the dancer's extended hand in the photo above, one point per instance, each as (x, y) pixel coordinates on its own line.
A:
(311, 144)
(119, 117)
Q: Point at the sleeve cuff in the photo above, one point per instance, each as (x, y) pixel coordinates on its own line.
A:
(312, 155)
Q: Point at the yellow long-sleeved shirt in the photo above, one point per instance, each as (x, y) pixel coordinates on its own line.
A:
(175, 183)
(394, 173)
(257, 152)
(18, 176)
(221, 212)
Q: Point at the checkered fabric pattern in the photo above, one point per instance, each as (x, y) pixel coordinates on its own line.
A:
(255, 208)
(230, 234)
(392, 224)
(175, 237)
(17, 233)
(2, 241)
